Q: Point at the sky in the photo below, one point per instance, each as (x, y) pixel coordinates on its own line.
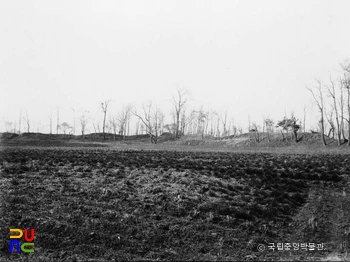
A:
(252, 58)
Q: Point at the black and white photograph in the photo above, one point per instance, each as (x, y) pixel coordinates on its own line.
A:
(174, 130)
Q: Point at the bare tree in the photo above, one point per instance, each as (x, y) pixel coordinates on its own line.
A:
(58, 120)
(233, 126)
(142, 127)
(269, 126)
(113, 122)
(202, 118)
(161, 122)
(128, 121)
(96, 126)
(224, 122)
(172, 125)
(341, 106)
(331, 122)
(8, 125)
(19, 121)
(234, 130)
(50, 118)
(345, 83)
(150, 119)
(218, 126)
(304, 122)
(332, 94)
(229, 127)
(263, 129)
(123, 119)
(73, 120)
(184, 122)
(104, 107)
(26, 119)
(156, 115)
(83, 123)
(249, 123)
(193, 122)
(320, 104)
(294, 126)
(210, 115)
(108, 128)
(179, 103)
(137, 127)
(254, 129)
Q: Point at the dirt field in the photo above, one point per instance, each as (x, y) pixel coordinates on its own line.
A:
(107, 204)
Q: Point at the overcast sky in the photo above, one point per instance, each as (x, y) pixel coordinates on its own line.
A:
(252, 57)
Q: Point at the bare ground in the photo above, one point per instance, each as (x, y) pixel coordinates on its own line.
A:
(323, 219)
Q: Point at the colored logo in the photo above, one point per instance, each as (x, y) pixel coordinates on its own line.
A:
(28, 246)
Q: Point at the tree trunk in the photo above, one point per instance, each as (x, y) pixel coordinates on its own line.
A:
(330, 131)
(349, 133)
(343, 134)
(295, 136)
(342, 123)
(322, 130)
(104, 125)
(349, 116)
(19, 124)
(177, 124)
(153, 139)
(339, 137)
(263, 135)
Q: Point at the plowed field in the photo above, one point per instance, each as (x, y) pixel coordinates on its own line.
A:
(104, 205)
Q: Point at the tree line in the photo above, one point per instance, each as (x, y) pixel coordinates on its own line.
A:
(332, 100)
(333, 103)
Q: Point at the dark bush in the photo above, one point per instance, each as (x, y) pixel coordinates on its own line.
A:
(335, 178)
(243, 215)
